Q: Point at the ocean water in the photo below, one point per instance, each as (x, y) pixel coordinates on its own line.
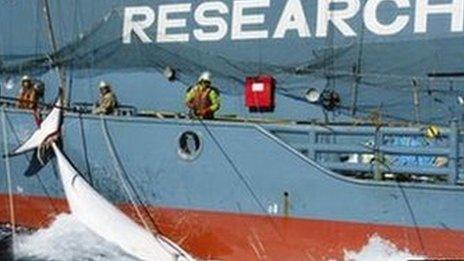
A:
(380, 249)
(65, 240)
(68, 240)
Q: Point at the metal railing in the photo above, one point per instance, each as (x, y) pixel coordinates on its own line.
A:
(77, 107)
(329, 144)
(332, 146)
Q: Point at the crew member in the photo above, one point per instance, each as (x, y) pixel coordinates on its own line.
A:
(39, 88)
(27, 98)
(203, 99)
(108, 102)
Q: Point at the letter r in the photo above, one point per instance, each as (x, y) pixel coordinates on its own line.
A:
(138, 26)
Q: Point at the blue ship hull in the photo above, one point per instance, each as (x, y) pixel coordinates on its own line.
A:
(252, 190)
(243, 173)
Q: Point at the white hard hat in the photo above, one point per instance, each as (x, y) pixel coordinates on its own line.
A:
(205, 76)
(26, 78)
(103, 84)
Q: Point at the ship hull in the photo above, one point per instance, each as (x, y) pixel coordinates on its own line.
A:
(246, 195)
(231, 236)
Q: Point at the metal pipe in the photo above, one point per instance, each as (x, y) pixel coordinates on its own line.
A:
(60, 70)
(286, 204)
(378, 175)
(353, 130)
(454, 154)
(8, 175)
(426, 171)
(386, 149)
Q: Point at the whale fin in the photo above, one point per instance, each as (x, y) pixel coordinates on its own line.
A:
(50, 127)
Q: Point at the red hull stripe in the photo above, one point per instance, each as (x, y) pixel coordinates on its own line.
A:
(225, 236)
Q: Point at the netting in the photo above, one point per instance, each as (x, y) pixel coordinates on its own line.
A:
(383, 71)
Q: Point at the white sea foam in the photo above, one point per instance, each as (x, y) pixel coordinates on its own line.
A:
(381, 249)
(66, 239)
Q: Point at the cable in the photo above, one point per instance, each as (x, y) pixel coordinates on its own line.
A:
(84, 147)
(8, 176)
(234, 167)
(42, 184)
(121, 173)
(242, 179)
(413, 216)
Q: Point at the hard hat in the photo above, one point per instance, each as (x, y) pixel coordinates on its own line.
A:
(103, 84)
(432, 132)
(39, 86)
(26, 78)
(205, 77)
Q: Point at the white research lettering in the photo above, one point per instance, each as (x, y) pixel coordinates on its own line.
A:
(171, 20)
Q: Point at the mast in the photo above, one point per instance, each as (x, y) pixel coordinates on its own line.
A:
(357, 70)
(60, 70)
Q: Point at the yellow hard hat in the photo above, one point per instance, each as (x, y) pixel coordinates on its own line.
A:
(432, 132)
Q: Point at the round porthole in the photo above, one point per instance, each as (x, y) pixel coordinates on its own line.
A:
(189, 146)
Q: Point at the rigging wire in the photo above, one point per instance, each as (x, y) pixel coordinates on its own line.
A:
(125, 181)
(39, 179)
(413, 216)
(121, 173)
(8, 175)
(84, 147)
(241, 177)
(60, 70)
(357, 69)
(234, 166)
(377, 121)
(241, 66)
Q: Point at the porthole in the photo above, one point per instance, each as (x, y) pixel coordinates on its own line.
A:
(189, 145)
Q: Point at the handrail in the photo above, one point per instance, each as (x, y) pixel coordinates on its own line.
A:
(353, 148)
(310, 142)
(425, 171)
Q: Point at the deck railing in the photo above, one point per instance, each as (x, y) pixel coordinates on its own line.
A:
(332, 147)
(376, 150)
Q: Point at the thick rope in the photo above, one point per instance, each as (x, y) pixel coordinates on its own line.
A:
(84, 147)
(412, 215)
(8, 175)
(119, 171)
(39, 179)
(120, 174)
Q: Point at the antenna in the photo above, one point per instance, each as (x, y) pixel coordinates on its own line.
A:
(60, 70)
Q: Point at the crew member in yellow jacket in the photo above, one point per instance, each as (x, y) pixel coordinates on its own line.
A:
(203, 99)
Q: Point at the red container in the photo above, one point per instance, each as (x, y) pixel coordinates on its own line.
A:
(259, 92)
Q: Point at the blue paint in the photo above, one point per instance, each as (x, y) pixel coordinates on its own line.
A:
(148, 151)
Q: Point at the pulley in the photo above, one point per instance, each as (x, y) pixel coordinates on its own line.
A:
(330, 99)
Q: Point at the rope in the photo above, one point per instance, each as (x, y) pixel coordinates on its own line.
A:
(242, 178)
(84, 147)
(120, 172)
(234, 167)
(413, 216)
(8, 175)
(42, 184)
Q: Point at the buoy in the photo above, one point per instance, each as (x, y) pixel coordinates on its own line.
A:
(432, 132)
